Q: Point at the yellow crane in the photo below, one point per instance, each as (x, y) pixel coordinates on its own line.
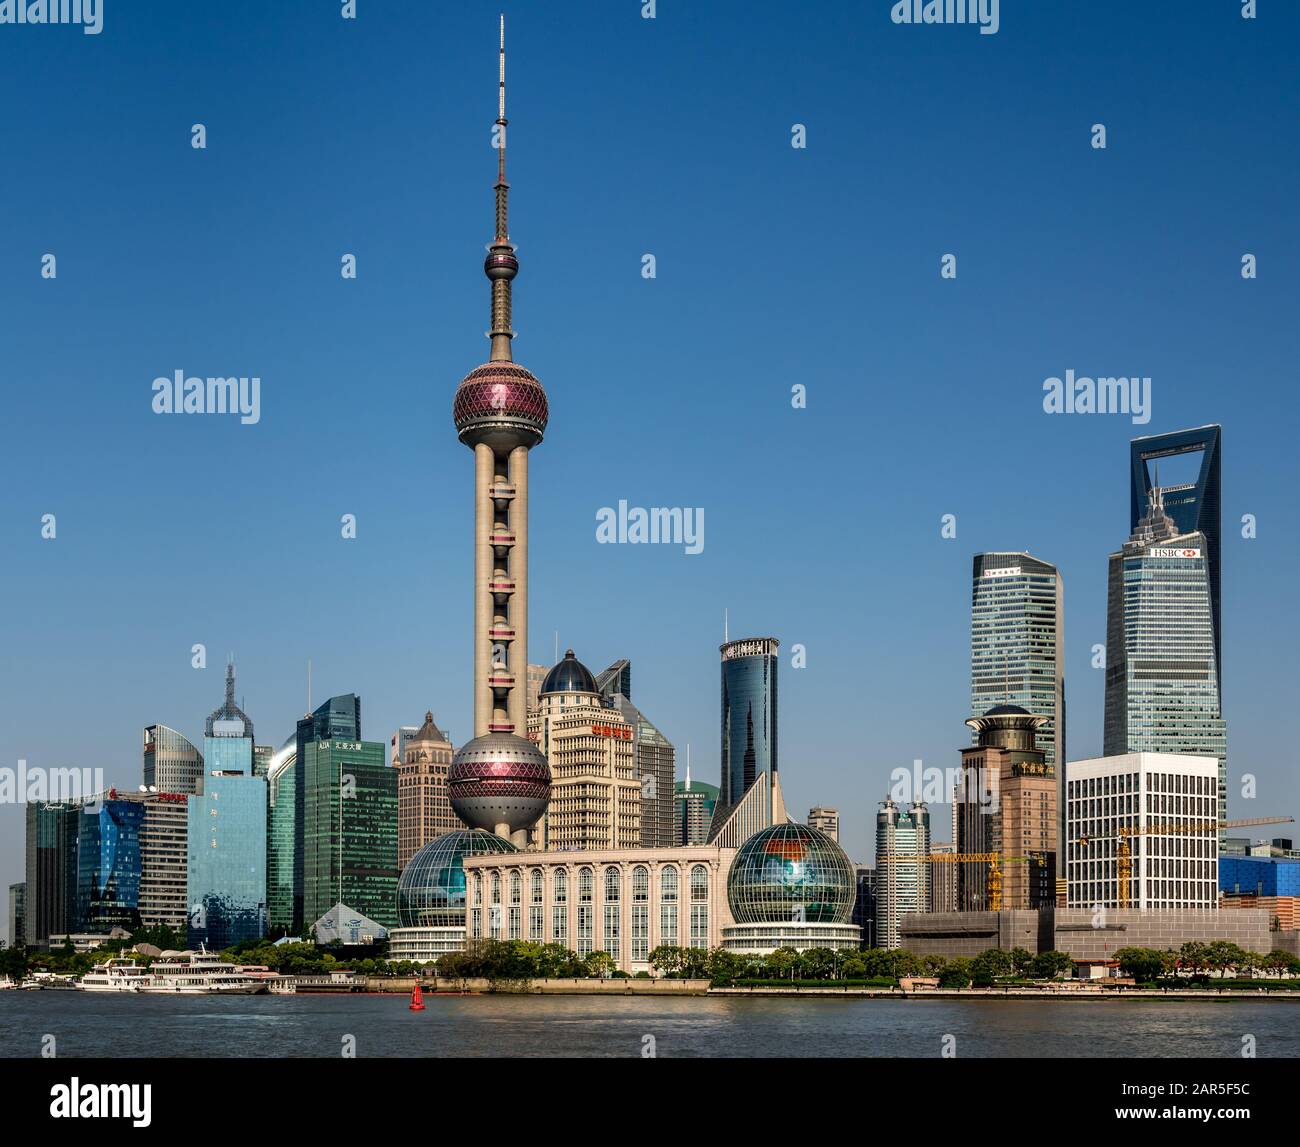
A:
(994, 860)
(1124, 853)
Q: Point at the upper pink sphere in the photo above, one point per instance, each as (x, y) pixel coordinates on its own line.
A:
(501, 404)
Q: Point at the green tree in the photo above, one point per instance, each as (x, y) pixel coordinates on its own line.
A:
(667, 960)
(1143, 964)
(989, 965)
(600, 964)
(956, 974)
(1051, 965)
(725, 968)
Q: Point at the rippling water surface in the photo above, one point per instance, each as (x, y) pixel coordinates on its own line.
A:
(286, 1026)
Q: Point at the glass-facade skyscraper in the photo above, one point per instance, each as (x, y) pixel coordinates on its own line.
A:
(749, 730)
(227, 861)
(109, 866)
(338, 719)
(1017, 652)
(902, 868)
(228, 735)
(349, 830)
(1194, 507)
(171, 764)
(50, 906)
(1162, 675)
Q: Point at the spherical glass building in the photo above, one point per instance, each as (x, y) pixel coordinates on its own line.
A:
(431, 890)
(791, 872)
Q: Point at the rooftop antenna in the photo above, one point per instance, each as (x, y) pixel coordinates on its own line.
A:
(724, 625)
(309, 687)
(688, 766)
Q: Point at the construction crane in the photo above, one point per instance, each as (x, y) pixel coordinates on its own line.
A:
(994, 860)
(1124, 853)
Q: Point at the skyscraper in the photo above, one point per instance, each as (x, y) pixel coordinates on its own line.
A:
(109, 865)
(171, 763)
(498, 780)
(595, 800)
(1162, 673)
(50, 907)
(902, 869)
(1194, 506)
(749, 728)
(226, 851)
(338, 719)
(1007, 807)
(1017, 644)
(423, 805)
(228, 735)
(654, 759)
(349, 831)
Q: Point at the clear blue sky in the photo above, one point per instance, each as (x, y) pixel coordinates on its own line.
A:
(776, 266)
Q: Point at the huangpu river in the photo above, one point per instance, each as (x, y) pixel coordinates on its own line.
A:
(378, 1026)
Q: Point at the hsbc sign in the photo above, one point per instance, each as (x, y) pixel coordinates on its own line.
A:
(1170, 552)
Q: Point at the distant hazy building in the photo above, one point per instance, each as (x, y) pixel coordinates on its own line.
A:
(50, 896)
(595, 794)
(171, 764)
(1006, 808)
(943, 879)
(1162, 673)
(1143, 832)
(1018, 647)
(397, 743)
(226, 852)
(655, 757)
(825, 820)
(423, 806)
(228, 735)
(902, 867)
(350, 830)
(693, 805)
(17, 932)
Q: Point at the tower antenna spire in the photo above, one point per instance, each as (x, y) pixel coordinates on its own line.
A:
(501, 266)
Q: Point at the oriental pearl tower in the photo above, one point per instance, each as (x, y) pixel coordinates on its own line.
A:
(500, 781)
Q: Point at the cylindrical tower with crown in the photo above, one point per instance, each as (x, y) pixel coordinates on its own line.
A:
(500, 781)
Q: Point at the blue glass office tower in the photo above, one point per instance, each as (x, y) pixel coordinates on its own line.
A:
(748, 715)
(227, 861)
(109, 866)
(228, 735)
(1194, 507)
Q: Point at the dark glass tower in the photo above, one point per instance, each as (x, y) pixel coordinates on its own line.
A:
(338, 719)
(109, 866)
(1193, 506)
(748, 715)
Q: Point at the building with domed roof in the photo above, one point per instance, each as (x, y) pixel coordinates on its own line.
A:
(590, 747)
(1006, 805)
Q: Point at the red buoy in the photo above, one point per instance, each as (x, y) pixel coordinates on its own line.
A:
(417, 1000)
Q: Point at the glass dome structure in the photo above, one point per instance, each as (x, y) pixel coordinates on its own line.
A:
(791, 872)
(431, 889)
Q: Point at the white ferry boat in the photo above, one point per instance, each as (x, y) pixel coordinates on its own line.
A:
(200, 973)
(6, 984)
(115, 975)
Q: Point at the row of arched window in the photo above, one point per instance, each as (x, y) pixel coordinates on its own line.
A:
(612, 880)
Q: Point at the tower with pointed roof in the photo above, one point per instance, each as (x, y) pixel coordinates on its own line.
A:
(500, 781)
(228, 734)
(423, 801)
